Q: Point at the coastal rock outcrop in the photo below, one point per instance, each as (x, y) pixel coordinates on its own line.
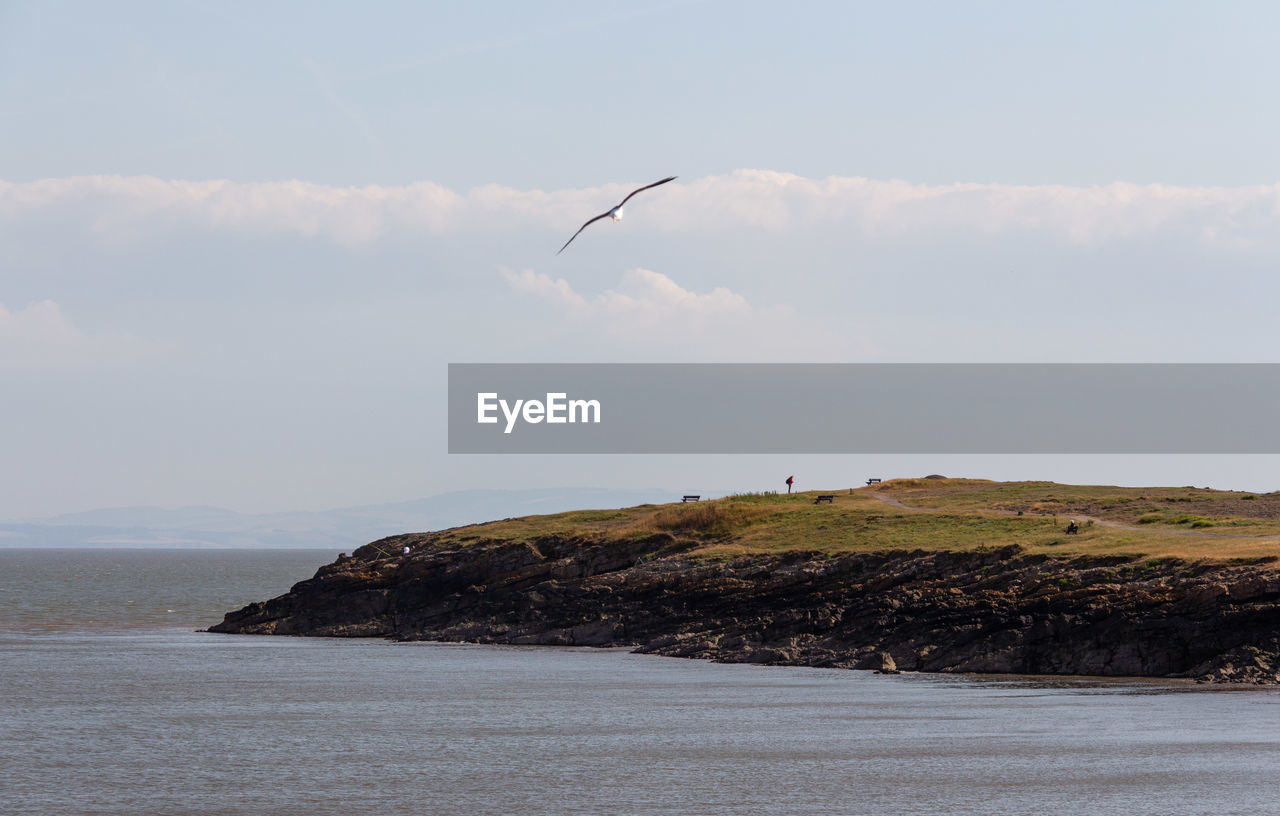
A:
(987, 610)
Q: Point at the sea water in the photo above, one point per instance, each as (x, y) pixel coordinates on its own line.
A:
(112, 704)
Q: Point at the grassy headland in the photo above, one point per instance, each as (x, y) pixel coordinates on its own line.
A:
(923, 574)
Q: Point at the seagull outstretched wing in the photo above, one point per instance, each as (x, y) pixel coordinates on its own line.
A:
(581, 228)
(606, 214)
(646, 187)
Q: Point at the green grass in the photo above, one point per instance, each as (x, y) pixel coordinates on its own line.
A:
(1242, 514)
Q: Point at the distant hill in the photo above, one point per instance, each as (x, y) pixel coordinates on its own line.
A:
(339, 529)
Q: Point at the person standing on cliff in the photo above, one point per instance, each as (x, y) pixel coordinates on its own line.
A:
(790, 481)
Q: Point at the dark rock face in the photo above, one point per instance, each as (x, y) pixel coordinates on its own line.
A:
(998, 611)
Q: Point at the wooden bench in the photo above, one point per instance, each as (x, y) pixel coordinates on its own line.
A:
(827, 499)
(873, 481)
(690, 498)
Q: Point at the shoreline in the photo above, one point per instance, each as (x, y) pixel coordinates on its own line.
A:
(1083, 681)
(998, 612)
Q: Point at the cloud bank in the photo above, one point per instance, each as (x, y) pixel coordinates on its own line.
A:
(648, 311)
(1238, 218)
(642, 295)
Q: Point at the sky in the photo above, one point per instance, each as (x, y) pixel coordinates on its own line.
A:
(240, 242)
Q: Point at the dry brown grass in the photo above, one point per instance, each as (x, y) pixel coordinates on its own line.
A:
(701, 518)
(953, 514)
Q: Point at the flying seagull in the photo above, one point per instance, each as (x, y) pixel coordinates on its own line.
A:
(616, 212)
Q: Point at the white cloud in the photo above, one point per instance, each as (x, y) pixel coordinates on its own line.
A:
(558, 290)
(891, 209)
(116, 206)
(41, 336)
(122, 207)
(647, 311)
(642, 294)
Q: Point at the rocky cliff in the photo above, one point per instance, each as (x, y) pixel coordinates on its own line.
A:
(1002, 609)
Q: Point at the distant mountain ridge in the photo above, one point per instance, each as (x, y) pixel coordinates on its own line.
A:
(342, 528)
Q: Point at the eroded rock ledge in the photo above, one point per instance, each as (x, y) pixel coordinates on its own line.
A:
(1000, 610)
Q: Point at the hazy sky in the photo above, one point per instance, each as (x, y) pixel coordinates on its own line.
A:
(240, 242)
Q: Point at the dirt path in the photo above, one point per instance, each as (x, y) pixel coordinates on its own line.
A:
(1116, 525)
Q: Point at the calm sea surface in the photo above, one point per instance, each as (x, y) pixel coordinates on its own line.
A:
(112, 704)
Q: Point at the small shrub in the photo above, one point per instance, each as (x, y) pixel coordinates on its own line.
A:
(766, 494)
